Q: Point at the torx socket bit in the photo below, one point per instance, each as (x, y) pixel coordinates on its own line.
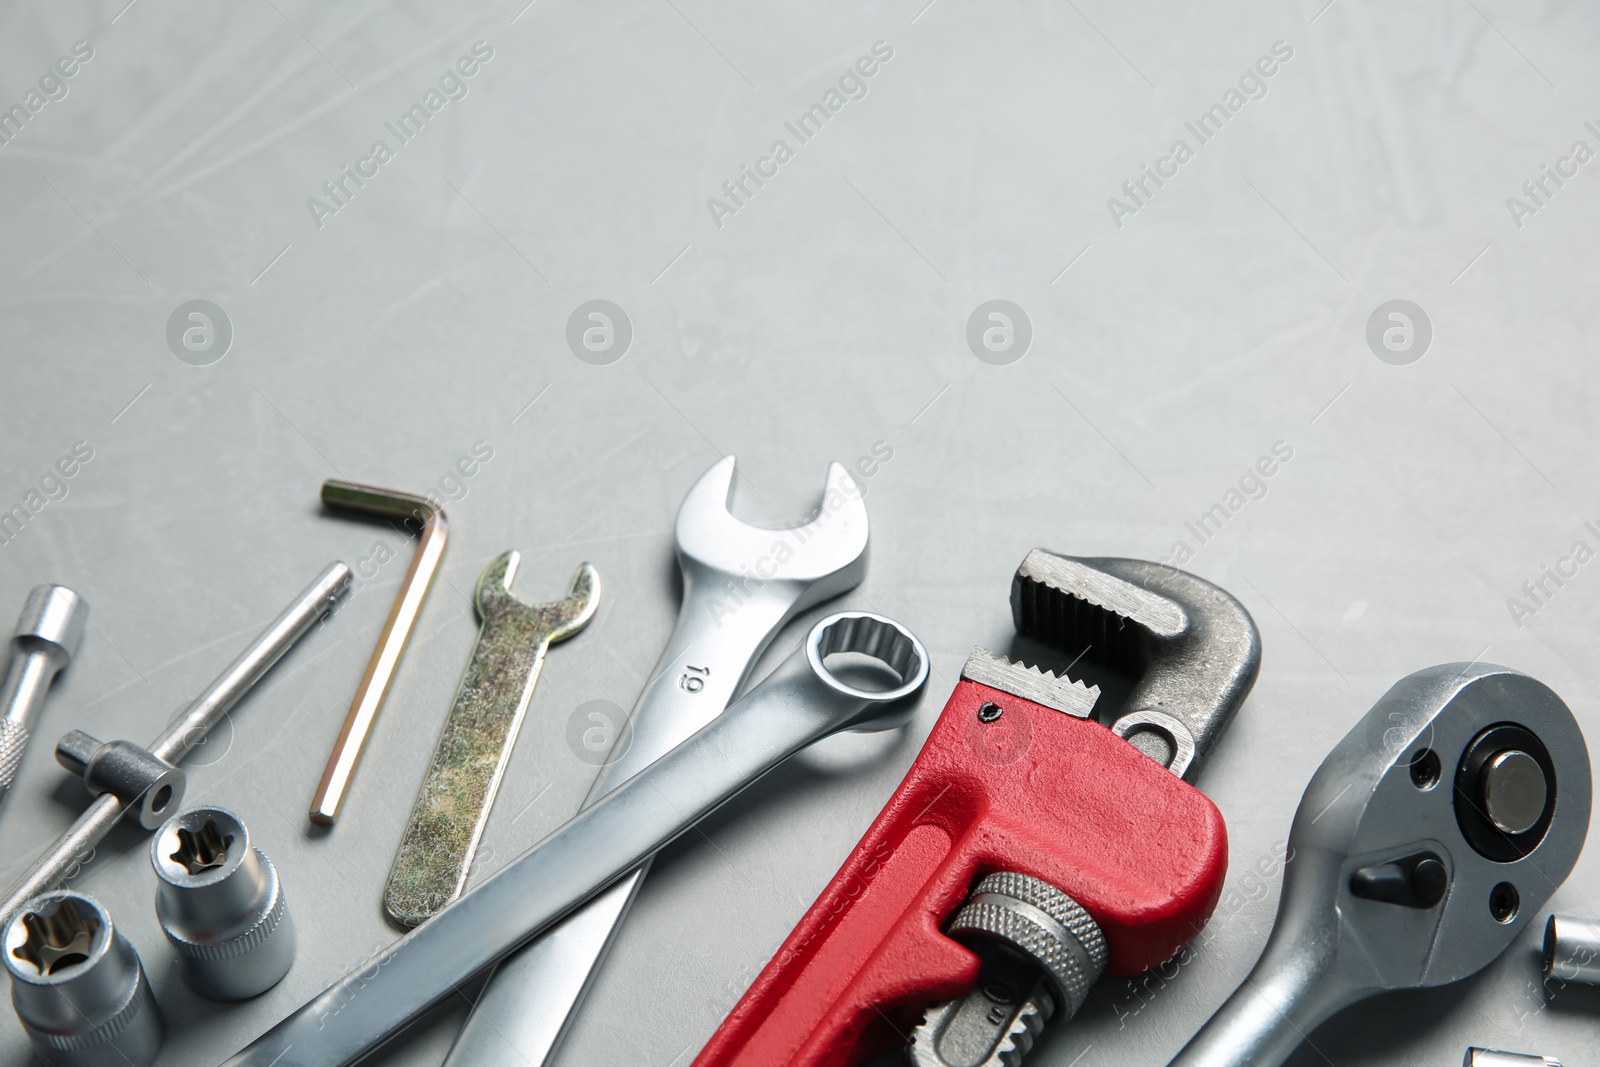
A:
(221, 905)
(78, 985)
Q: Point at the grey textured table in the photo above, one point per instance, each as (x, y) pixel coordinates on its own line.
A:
(378, 329)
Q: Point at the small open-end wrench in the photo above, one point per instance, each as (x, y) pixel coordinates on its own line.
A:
(47, 636)
(740, 585)
(799, 703)
(441, 837)
(1426, 842)
(1029, 847)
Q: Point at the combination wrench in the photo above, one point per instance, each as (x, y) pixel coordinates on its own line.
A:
(741, 584)
(799, 703)
(1424, 845)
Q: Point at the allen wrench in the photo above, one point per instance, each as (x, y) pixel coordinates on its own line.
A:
(374, 687)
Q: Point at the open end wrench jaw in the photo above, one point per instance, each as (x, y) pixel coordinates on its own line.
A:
(1192, 648)
(824, 557)
(564, 617)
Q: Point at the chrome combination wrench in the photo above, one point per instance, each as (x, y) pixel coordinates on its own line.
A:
(741, 584)
(800, 702)
(1426, 842)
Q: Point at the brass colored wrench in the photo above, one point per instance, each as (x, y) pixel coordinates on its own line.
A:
(436, 852)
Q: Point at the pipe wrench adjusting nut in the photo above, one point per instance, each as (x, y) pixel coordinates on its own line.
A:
(78, 986)
(221, 905)
(1041, 953)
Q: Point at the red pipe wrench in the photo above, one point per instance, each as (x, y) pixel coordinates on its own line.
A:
(1029, 848)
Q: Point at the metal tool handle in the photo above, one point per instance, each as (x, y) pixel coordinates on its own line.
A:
(798, 703)
(705, 661)
(75, 847)
(48, 633)
(1289, 993)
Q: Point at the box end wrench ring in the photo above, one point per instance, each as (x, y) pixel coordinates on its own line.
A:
(799, 703)
(1425, 843)
(741, 584)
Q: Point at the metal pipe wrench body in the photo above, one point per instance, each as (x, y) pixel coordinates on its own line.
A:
(1005, 783)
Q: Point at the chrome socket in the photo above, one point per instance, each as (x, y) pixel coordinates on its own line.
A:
(1572, 949)
(78, 986)
(221, 905)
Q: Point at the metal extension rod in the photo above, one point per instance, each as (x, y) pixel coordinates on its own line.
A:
(74, 848)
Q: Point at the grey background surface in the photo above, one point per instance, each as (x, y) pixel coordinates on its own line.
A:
(828, 313)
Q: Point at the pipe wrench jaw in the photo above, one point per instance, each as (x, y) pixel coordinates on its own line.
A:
(1191, 648)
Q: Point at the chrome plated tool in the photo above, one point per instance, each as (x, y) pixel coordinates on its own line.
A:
(1425, 843)
(1572, 949)
(741, 584)
(799, 703)
(47, 636)
(441, 838)
(220, 902)
(63, 859)
(374, 687)
(78, 986)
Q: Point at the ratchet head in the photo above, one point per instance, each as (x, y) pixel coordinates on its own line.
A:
(827, 556)
(1425, 843)
(1436, 830)
(561, 619)
(1193, 649)
(51, 621)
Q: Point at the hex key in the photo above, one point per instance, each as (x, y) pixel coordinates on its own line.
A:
(347, 750)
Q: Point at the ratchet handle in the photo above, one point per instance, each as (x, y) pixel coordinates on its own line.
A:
(1052, 796)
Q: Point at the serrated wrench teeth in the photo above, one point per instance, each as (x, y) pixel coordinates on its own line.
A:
(441, 838)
